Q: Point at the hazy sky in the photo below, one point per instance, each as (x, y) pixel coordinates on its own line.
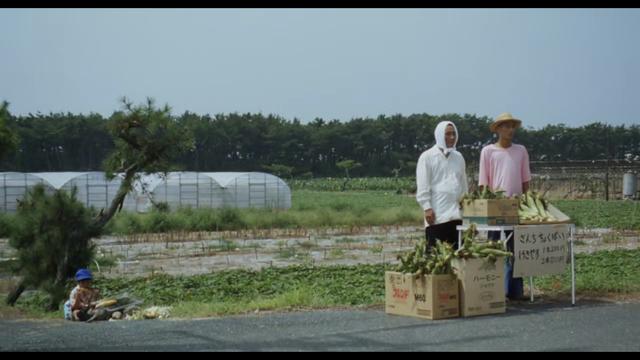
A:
(545, 66)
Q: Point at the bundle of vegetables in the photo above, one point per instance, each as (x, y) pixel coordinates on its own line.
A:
(106, 303)
(435, 262)
(472, 249)
(116, 307)
(485, 193)
(534, 207)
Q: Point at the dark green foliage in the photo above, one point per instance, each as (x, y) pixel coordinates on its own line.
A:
(619, 215)
(257, 142)
(8, 137)
(339, 285)
(615, 271)
(605, 271)
(147, 140)
(6, 222)
(279, 170)
(405, 184)
(360, 285)
(146, 137)
(347, 165)
(161, 207)
(52, 235)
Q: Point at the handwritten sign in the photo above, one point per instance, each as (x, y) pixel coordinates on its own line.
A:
(540, 249)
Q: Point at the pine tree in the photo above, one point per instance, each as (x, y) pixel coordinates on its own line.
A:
(8, 137)
(52, 235)
(53, 232)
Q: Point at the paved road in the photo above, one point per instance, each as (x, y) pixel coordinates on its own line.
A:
(525, 327)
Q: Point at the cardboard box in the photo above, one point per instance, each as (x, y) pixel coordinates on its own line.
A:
(481, 286)
(429, 297)
(491, 212)
(491, 221)
(398, 292)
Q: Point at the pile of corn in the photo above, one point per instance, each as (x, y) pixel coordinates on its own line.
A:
(437, 260)
(489, 250)
(419, 262)
(485, 193)
(106, 303)
(534, 207)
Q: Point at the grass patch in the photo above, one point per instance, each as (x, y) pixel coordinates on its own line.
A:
(6, 221)
(612, 238)
(300, 298)
(615, 214)
(224, 245)
(306, 245)
(286, 253)
(335, 285)
(303, 286)
(311, 209)
(388, 184)
(336, 254)
(346, 240)
(108, 261)
(293, 253)
(616, 271)
(321, 209)
(29, 305)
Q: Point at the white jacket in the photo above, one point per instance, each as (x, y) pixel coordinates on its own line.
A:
(441, 181)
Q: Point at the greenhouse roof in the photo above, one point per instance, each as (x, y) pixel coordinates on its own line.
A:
(57, 179)
(224, 178)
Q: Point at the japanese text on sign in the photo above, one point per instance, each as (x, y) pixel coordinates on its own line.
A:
(540, 249)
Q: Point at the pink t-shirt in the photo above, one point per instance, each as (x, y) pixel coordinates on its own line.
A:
(504, 169)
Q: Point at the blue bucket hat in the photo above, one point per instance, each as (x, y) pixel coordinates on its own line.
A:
(83, 274)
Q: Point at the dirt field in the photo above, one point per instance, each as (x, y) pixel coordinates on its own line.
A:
(197, 253)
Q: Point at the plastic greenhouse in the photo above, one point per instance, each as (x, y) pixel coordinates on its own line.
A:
(253, 189)
(222, 189)
(186, 189)
(177, 189)
(14, 186)
(93, 188)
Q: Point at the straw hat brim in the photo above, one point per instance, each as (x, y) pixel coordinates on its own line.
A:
(497, 123)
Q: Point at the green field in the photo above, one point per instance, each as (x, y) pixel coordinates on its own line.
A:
(401, 184)
(306, 287)
(615, 214)
(310, 209)
(302, 287)
(319, 209)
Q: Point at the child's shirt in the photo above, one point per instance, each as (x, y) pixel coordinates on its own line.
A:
(82, 297)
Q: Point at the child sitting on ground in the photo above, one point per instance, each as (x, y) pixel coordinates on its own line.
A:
(83, 298)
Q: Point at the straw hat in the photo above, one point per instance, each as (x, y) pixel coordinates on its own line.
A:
(504, 117)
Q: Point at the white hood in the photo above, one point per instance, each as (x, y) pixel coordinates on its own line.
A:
(439, 135)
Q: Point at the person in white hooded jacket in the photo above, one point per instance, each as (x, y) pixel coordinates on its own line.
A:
(441, 182)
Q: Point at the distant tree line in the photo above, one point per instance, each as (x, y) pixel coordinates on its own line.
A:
(383, 146)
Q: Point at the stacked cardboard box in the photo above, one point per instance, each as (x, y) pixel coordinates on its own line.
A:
(491, 212)
(429, 297)
(481, 286)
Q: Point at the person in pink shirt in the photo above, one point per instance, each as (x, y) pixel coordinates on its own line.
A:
(505, 166)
